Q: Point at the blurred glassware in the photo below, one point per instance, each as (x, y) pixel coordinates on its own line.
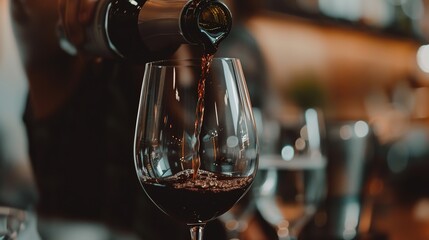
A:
(12, 222)
(350, 151)
(290, 184)
(17, 197)
(236, 220)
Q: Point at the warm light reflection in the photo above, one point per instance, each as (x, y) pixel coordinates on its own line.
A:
(423, 58)
(377, 13)
(361, 129)
(300, 144)
(351, 220)
(287, 152)
(313, 131)
(413, 9)
(232, 142)
(372, 12)
(347, 9)
(133, 2)
(304, 133)
(346, 132)
(216, 114)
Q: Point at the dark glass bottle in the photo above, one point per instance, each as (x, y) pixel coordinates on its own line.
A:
(139, 29)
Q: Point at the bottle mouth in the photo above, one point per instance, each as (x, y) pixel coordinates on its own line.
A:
(212, 23)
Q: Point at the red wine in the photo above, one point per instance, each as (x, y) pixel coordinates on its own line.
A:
(214, 25)
(206, 195)
(196, 200)
(199, 113)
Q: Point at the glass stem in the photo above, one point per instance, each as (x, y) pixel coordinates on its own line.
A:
(197, 231)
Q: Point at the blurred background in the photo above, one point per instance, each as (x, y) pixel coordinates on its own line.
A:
(354, 60)
(357, 60)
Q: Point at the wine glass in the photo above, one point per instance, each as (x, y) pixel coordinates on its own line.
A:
(291, 179)
(12, 221)
(195, 148)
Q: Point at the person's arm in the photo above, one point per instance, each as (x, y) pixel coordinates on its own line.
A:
(17, 186)
(52, 73)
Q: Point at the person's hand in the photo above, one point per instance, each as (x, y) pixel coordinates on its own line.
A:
(75, 16)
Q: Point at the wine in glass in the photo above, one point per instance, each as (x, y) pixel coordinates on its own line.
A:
(195, 147)
(291, 181)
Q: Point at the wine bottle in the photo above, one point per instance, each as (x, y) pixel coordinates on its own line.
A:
(134, 29)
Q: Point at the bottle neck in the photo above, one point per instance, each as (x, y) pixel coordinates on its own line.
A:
(206, 22)
(163, 23)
